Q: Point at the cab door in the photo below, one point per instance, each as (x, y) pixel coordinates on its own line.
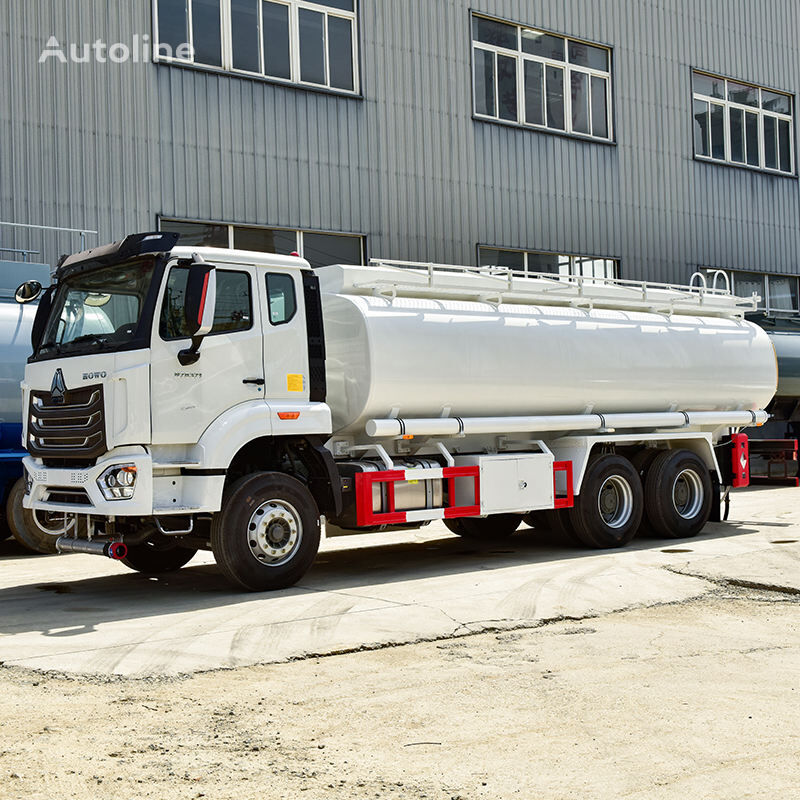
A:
(230, 370)
(285, 335)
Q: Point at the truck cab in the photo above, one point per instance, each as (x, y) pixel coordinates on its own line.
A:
(136, 410)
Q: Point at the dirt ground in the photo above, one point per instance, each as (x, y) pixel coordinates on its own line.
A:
(693, 700)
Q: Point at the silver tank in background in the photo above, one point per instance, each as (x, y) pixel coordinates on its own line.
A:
(16, 322)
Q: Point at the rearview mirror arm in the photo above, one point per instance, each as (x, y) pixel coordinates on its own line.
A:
(190, 355)
(203, 306)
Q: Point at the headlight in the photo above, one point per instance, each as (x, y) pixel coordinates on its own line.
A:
(118, 482)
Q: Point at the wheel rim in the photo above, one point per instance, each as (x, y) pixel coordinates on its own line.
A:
(52, 523)
(687, 494)
(615, 501)
(274, 532)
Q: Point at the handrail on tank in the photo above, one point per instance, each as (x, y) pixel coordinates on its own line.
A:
(717, 273)
(82, 232)
(702, 277)
(24, 253)
(506, 274)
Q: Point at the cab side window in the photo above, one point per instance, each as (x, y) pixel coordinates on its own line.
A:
(281, 296)
(234, 308)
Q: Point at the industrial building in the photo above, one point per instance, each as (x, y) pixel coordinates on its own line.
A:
(643, 139)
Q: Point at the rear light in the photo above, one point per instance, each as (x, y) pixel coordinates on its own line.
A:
(740, 460)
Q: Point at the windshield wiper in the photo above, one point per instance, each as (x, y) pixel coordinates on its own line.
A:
(51, 345)
(88, 337)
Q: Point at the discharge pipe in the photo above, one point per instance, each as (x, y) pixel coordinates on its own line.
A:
(113, 550)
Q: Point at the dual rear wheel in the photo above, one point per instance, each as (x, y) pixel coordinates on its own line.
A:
(666, 491)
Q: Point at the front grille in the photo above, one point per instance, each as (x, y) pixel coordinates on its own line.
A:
(71, 430)
(67, 496)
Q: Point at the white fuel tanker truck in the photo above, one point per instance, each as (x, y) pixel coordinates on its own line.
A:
(182, 399)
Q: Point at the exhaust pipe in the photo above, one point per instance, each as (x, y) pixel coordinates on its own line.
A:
(113, 550)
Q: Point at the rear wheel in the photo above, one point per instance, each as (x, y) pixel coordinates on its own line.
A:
(35, 530)
(678, 494)
(267, 534)
(495, 526)
(608, 510)
(559, 520)
(642, 460)
(157, 557)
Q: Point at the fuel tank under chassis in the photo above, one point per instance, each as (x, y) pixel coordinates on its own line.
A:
(429, 357)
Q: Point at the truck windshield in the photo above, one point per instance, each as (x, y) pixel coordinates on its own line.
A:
(98, 310)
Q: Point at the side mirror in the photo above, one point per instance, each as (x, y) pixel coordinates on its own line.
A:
(199, 306)
(28, 291)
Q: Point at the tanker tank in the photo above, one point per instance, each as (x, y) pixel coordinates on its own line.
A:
(16, 322)
(437, 351)
(784, 423)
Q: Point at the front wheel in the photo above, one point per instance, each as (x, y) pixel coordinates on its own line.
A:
(157, 557)
(493, 527)
(267, 534)
(35, 530)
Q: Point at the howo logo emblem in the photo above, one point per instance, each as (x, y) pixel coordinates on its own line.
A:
(58, 387)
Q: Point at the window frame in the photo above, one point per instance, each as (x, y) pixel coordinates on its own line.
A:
(762, 114)
(227, 49)
(362, 237)
(766, 305)
(573, 260)
(567, 68)
(294, 292)
(212, 332)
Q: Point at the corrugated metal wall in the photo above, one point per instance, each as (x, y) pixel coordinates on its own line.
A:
(112, 146)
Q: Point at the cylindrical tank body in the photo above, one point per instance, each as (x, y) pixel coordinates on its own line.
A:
(428, 357)
(16, 322)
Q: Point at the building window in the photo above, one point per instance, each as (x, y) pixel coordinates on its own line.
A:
(301, 42)
(778, 293)
(524, 262)
(316, 247)
(742, 124)
(539, 79)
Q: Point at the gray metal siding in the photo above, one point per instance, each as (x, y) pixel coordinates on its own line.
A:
(113, 146)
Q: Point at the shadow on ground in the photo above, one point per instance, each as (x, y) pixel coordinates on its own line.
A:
(73, 607)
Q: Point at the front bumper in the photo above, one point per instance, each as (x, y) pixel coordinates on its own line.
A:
(81, 486)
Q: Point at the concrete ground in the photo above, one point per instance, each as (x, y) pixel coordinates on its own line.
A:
(81, 614)
(665, 671)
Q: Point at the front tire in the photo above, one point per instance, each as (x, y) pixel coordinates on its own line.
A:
(157, 557)
(609, 508)
(267, 534)
(493, 527)
(34, 530)
(678, 494)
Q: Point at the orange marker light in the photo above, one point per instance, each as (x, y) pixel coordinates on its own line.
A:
(288, 414)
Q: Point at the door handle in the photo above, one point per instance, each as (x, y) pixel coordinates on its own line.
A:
(256, 381)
